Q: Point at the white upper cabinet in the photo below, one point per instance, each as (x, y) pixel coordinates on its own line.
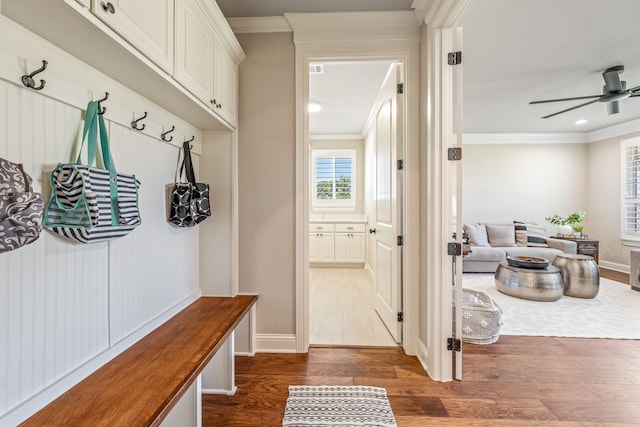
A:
(195, 40)
(146, 24)
(225, 83)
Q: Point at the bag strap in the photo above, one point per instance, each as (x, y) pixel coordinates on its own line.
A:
(188, 163)
(94, 122)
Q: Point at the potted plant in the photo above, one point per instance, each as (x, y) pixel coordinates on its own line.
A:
(568, 224)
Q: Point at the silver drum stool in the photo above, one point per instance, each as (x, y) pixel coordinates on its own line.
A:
(528, 283)
(580, 273)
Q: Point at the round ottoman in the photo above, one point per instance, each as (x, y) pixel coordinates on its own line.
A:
(527, 283)
(580, 273)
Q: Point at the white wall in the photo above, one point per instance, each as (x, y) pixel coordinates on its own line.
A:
(529, 182)
(69, 308)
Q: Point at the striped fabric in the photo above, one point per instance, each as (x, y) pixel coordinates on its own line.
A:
(536, 234)
(81, 209)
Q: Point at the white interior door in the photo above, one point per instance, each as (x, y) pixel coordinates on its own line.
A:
(388, 181)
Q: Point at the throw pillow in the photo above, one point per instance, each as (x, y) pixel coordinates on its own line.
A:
(477, 234)
(536, 235)
(521, 234)
(501, 235)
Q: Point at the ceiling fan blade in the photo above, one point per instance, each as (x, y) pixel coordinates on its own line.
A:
(613, 107)
(564, 99)
(634, 89)
(612, 78)
(569, 109)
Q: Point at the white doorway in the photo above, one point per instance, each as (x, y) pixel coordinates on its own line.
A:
(355, 291)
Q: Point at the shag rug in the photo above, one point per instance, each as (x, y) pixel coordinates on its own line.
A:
(338, 406)
(613, 313)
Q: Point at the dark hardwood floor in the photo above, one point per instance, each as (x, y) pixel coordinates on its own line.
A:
(517, 381)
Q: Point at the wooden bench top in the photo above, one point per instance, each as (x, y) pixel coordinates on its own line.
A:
(141, 385)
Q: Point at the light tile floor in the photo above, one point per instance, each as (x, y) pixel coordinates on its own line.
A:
(341, 309)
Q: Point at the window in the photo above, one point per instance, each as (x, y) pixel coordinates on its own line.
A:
(631, 190)
(333, 179)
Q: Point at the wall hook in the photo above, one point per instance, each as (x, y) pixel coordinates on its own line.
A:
(28, 81)
(163, 136)
(134, 124)
(104, 109)
(189, 140)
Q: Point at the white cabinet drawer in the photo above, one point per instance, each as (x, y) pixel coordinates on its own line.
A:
(320, 227)
(350, 228)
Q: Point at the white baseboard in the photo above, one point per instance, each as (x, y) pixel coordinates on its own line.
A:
(614, 266)
(422, 356)
(244, 353)
(275, 343)
(220, 391)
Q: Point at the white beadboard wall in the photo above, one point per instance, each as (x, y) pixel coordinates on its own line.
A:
(66, 309)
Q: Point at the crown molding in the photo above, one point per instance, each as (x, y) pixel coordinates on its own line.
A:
(632, 126)
(525, 138)
(349, 26)
(439, 13)
(260, 24)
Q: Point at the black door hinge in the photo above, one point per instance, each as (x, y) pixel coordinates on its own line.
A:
(400, 164)
(454, 58)
(400, 240)
(400, 88)
(400, 316)
(454, 153)
(454, 248)
(454, 344)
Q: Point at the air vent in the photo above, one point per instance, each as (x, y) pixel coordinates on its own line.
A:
(316, 69)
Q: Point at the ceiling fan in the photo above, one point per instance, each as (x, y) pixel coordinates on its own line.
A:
(612, 92)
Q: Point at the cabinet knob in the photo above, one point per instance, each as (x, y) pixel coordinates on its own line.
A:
(372, 231)
(108, 7)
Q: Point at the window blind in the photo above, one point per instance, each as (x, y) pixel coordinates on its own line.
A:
(631, 189)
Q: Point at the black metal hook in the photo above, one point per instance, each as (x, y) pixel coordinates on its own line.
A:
(104, 109)
(189, 140)
(134, 124)
(166, 133)
(28, 81)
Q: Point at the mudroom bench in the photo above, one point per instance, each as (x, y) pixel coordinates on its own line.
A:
(141, 385)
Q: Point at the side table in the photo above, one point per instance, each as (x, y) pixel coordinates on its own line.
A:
(585, 246)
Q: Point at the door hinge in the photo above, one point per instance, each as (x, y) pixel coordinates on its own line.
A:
(454, 58)
(454, 153)
(454, 248)
(454, 344)
(400, 240)
(400, 88)
(400, 164)
(400, 316)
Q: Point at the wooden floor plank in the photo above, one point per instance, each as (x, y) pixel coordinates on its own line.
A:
(516, 382)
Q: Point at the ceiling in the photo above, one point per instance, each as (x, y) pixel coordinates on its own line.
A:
(515, 51)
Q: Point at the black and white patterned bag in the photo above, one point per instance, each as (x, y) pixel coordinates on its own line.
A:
(89, 204)
(189, 203)
(20, 208)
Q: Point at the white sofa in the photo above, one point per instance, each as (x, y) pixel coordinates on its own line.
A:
(491, 243)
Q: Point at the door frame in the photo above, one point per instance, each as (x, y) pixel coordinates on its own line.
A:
(390, 35)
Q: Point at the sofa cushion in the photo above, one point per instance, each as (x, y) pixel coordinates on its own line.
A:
(501, 235)
(536, 234)
(477, 234)
(521, 234)
(484, 254)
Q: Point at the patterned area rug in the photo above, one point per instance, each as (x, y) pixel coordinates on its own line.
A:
(338, 406)
(613, 313)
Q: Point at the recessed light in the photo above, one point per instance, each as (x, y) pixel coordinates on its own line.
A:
(314, 107)
(581, 121)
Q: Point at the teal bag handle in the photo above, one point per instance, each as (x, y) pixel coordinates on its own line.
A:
(92, 123)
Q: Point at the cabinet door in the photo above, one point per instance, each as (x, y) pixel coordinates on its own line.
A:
(358, 247)
(314, 247)
(343, 247)
(225, 83)
(85, 3)
(321, 247)
(145, 24)
(194, 49)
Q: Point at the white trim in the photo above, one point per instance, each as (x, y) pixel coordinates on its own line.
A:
(626, 128)
(220, 391)
(615, 266)
(337, 137)
(260, 24)
(525, 138)
(438, 13)
(423, 355)
(393, 36)
(275, 343)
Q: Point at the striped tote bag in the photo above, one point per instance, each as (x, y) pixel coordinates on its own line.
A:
(89, 204)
